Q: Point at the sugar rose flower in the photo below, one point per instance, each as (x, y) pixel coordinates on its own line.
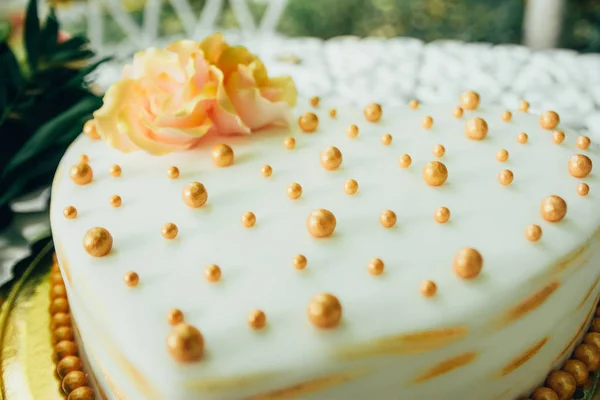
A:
(168, 99)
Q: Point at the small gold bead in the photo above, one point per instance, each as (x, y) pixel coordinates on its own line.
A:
(427, 122)
(435, 173)
(469, 100)
(60, 319)
(89, 129)
(476, 129)
(386, 139)
(314, 101)
(350, 186)
(414, 104)
(468, 263)
(580, 166)
(376, 267)
(115, 201)
(544, 393)
(174, 316)
(82, 393)
(266, 171)
(289, 143)
(74, 380)
(59, 305)
(439, 150)
(387, 218)
(62, 333)
(549, 120)
(331, 158)
(68, 364)
(523, 106)
(97, 242)
(428, 288)
(404, 161)
(442, 215)
(308, 122)
(131, 279)
(506, 116)
(324, 311)
(63, 349)
(458, 112)
(502, 155)
(84, 159)
(373, 112)
(522, 138)
(505, 177)
(212, 273)
(257, 319)
(185, 343)
(294, 191)
(248, 219)
(58, 291)
(553, 208)
(577, 369)
(583, 189)
(56, 278)
(333, 113)
(558, 137)
(593, 337)
(173, 172)
(352, 131)
(70, 212)
(194, 194)
(115, 171)
(589, 355)
(81, 174)
(299, 261)
(583, 142)
(321, 223)
(533, 233)
(222, 155)
(169, 231)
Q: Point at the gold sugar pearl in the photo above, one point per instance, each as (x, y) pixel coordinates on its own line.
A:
(558, 137)
(266, 171)
(468, 263)
(522, 138)
(58, 291)
(321, 223)
(350, 186)
(544, 393)
(212, 273)
(222, 155)
(376, 267)
(308, 122)
(173, 172)
(505, 177)
(352, 131)
(63, 349)
(169, 231)
(476, 129)
(194, 194)
(84, 159)
(314, 101)
(74, 380)
(577, 369)
(331, 158)
(589, 355)
(502, 155)
(248, 219)
(294, 191)
(68, 364)
(506, 116)
(60, 319)
(583, 142)
(89, 129)
(435, 173)
(81, 174)
(115, 171)
(469, 100)
(59, 305)
(553, 208)
(583, 189)
(97, 242)
(593, 337)
(427, 122)
(185, 343)
(523, 106)
(580, 166)
(442, 215)
(414, 104)
(563, 383)
(387, 218)
(333, 113)
(428, 288)
(115, 201)
(131, 279)
(404, 161)
(257, 319)
(458, 112)
(62, 333)
(549, 120)
(324, 311)
(438, 150)
(373, 112)
(70, 212)
(299, 261)
(82, 393)
(174, 316)
(533, 233)
(289, 143)
(56, 278)
(386, 139)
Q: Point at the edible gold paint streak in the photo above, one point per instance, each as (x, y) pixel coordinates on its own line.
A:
(114, 389)
(63, 262)
(446, 366)
(589, 292)
(503, 395)
(532, 302)
(409, 343)
(224, 384)
(572, 341)
(139, 380)
(524, 357)
(571, 257)
(97, 385)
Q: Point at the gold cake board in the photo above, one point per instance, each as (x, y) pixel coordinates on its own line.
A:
(27, 367)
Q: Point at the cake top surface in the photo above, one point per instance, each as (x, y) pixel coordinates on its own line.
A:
(256, 262)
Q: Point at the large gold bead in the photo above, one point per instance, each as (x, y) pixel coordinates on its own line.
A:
(522, 138)
(74, 380)
(308, 122)
(81, 174)
(502, 155)
(468, 263)
(185, 343)
(562, 383)
(404, 161)
(331, 158)
(580, 166)
(194, 194)
(68, 364)
(583, 142)
(505, 177)
(324, 311)
(549, 120)
(89, 129)
(476, 129)
(593, 337)
(169, 231)
(469, 100)
(58, 291)
(62, 333)
(82, 393)
(222, 155)
(553, 208)
(373, 112)
(63, 349)
(589, 355)
(97, 242)
(578, 370)
(544, 393)
(435, 173)
(294, 191)
(60, 305)
(60, 319)
(321, 223)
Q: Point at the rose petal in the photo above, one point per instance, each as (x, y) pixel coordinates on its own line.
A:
(213, 46)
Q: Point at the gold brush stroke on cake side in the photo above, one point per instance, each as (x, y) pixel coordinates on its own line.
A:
(589, 292)
(409, 343)
(446, 366)
(572, 341)
(62, 261)
(523, 357)
(569, 260)
(225, 384)
(524, 307)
